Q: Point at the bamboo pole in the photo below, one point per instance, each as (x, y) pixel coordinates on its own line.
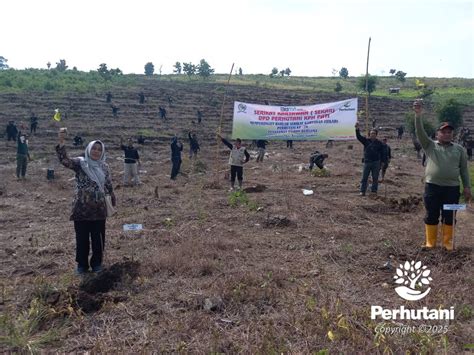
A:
(223, 100)
(367, 92)
(219, 129)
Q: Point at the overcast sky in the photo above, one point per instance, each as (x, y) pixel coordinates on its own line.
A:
(422, 38)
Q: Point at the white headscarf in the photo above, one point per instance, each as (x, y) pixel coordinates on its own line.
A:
(94, 168)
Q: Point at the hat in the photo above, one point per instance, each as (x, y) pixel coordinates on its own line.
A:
(444, 125)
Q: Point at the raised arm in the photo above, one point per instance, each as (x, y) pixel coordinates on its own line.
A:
(73, 164)
(420, 132)
(227, 143)
(360, 137)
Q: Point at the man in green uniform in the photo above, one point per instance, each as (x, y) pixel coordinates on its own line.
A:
(447, 162)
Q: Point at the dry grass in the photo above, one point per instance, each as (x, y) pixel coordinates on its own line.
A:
(274, 272)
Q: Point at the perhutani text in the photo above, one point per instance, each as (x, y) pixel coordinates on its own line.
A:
(413, 314)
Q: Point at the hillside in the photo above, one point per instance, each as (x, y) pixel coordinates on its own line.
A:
(270, 272)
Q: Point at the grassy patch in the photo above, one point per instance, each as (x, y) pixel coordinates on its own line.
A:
(238, 198)
(25, 331)
(146, 133)
(324, 172)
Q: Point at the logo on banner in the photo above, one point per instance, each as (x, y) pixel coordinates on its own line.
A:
(347, 106)
(242, 108)
(413, 278)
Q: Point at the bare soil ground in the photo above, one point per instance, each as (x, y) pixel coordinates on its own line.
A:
(274, 272)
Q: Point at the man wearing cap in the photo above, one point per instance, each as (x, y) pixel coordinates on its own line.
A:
(447, 161)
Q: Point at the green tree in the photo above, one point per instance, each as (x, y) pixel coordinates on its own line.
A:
(240, 71)
(177, 68)
(61, 65)
(204, 70)
(344, 73)
(274, 72)
(371, 83)
(189, 69)
(104, 72)
(450, 111)
(410, 124)
(149, 69)
(3, 63)
(338, 87)
(400, 75)
(115, 72)
(48, 65)
(287, 71)
(282, 72)
(392, 71)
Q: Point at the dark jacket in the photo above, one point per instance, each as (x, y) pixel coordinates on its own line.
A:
(316, 159)
(22, 148)
(176, 149)
(12, 131)
(193, 142)
(262, 144)
(386, 153)
(373, 149)
(131, 154)
(89, 201)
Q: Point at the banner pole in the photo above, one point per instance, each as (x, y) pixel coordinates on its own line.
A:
(219, 129)
(367, 92)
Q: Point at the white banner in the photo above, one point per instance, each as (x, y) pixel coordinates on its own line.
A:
(333, 120)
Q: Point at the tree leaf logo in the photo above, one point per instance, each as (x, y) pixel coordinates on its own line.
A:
(412, 278)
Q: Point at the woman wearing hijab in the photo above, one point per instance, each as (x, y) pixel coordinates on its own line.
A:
(89, 212)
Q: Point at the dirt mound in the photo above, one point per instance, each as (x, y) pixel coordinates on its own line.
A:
(278, 221)
(256, 188)
(212, 185)
(88, 303)
(403, 204)
(110, 277)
